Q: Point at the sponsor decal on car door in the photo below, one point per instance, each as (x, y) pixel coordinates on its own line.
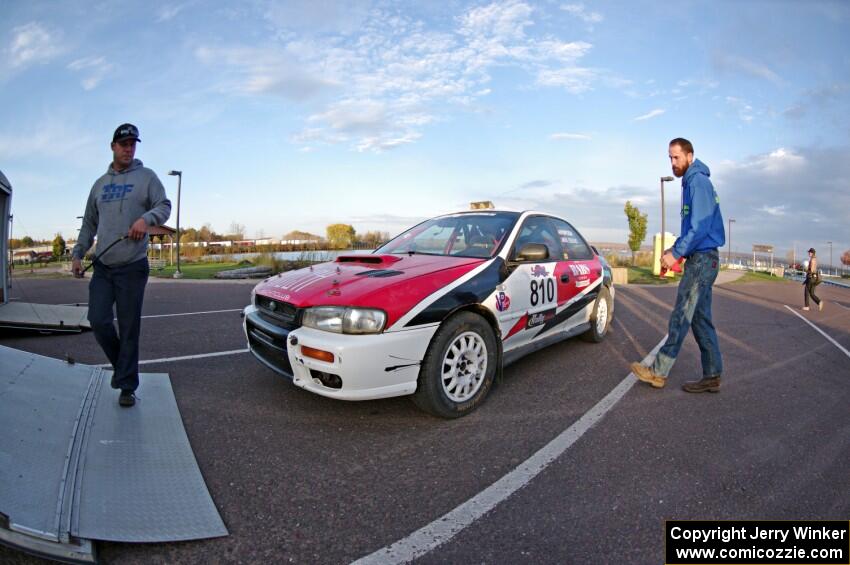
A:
(533, 292)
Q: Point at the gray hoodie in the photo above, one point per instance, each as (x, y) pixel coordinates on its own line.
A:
(116, 200)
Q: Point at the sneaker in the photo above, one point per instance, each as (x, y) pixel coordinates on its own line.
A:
(820, 305)
(805, 308)
(127, 398)
(647, 375)
(707, 384)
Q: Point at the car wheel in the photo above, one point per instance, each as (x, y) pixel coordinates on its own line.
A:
(459, 367)
(600, 318)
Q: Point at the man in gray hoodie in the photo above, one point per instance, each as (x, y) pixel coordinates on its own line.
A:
(121, 206)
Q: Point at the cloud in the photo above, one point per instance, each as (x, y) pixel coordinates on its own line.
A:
(786, 195)
(318, 16)
(40, 141)
(169, 12)
(593, 211)
(739, 65)
(579, 11)
(821, 101)
(536, 184)
(741, 107)
(32, 43)
(574, 80)
(559, 136)
(773, 210)
(377, 85)
(267, 71)
(648, 116)
(95, 68)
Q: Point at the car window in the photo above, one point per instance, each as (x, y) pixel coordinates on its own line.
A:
(575, 248)
(538, 229)
(463, 235)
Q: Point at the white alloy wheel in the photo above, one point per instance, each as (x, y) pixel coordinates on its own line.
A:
(464, 367)
(601, 316)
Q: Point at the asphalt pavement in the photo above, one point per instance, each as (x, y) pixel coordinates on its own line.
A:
(304, 479)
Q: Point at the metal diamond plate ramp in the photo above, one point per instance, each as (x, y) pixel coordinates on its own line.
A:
(47, 317)
(141, 482)
(74, 466)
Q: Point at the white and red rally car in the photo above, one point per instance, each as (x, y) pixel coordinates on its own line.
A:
(436, 312)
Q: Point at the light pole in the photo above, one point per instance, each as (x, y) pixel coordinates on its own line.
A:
(663, 180)
(729, 253)
(179, 175)
(830, 255)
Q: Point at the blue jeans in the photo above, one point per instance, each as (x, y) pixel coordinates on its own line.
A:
(693, 310)
(123, 287)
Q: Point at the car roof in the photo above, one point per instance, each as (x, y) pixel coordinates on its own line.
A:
(502, 210)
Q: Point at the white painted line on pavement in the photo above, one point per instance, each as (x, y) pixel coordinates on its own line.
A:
(823, 333)
(183, 358)
(192, 313)
(449, 525)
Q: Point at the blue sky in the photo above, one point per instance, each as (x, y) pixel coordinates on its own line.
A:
(293, 115)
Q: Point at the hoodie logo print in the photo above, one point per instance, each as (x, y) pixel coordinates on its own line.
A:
(113, 192)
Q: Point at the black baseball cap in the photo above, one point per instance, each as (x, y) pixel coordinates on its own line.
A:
(126, 131)
(811, 250)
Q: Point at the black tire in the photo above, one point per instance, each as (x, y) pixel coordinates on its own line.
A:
(596, 333)
(432, 394)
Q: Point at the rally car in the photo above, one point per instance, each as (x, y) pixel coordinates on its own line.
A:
(436, 312)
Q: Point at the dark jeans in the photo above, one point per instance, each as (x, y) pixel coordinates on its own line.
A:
(693, 310)
(809, 290)
(124, 287)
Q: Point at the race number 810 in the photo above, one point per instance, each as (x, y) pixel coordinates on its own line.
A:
(542, 291)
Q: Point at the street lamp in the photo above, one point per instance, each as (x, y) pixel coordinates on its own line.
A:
(830, 255)
(663, 180)
(729, 252)
(179, 175)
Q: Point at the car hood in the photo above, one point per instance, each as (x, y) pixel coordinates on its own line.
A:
(393, 283)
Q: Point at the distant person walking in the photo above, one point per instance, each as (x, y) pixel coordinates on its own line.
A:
(702, 234)
(121, 206)
(812, 280)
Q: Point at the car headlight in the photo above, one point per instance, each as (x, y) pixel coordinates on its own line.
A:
(345, 320)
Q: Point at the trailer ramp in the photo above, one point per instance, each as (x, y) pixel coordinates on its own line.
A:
(75, 467)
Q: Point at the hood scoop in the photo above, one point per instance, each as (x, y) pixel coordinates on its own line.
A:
(368, 259)
(379, 273)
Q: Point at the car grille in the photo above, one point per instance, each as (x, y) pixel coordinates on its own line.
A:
(277, 312)
(269, 349)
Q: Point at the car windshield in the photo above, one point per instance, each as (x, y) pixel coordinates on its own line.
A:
(459, 235)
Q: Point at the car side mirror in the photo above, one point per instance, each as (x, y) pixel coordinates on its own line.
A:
(535, 252)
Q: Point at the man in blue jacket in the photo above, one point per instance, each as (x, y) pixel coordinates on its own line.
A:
(702, 234)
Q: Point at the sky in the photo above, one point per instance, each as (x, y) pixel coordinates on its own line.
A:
(287, 115)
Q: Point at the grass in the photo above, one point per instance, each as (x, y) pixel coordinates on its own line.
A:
(196, 270)
(208, 270)
(643, 275)
(750, 276)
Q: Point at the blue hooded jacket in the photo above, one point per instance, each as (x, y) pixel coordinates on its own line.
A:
(702, 223)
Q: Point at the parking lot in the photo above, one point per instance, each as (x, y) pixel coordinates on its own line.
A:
(304, 479)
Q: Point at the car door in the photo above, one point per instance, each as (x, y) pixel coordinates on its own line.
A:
(580, 274)
(530, 293)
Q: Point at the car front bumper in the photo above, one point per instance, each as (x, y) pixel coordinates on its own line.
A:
(368, 366)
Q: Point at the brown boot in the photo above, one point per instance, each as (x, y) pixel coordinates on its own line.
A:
(709, 384)
(647, 375)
